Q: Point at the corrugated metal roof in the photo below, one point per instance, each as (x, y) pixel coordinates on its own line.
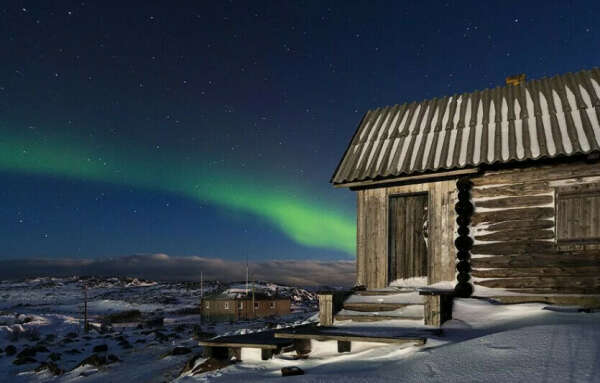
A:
(538, 119)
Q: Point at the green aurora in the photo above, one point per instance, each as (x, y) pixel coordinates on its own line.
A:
(305, 221)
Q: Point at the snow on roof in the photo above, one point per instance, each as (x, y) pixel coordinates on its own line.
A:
(542, 118)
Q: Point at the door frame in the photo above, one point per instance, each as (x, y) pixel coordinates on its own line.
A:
(389, 222)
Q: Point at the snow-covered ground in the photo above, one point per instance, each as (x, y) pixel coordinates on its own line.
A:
(45, 315)
(484, 342)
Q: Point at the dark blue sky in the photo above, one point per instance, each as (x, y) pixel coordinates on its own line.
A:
(266, 91)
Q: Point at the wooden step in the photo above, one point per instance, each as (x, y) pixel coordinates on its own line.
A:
(375, 306)
(385, 292)
(373, 317)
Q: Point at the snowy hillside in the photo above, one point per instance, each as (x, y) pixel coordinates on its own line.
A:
(41, 327)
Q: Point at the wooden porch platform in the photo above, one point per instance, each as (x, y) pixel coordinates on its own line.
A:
(230, 346)
(359, 334)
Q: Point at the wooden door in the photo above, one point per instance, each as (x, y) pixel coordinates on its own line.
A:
(407, 237)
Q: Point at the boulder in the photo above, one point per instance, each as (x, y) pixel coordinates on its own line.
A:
(24, 360)
(50, 367)
(54, 356)
(291, 371)
(10, 350)
(112, 358)
(100, 348)
(93, 360)
(154, 322)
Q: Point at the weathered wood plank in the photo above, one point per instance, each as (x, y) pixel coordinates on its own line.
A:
(530, 260)
(361, 278)
(514, 247)
(512, 215)
(571, 300)
(516, 235)
(521, 225)
(529, 282)
(512, 272)
(519, 189)
(535, 174)
(373, 318)
(322, 336)
(371, 307)
(509, 202)
(559, 290)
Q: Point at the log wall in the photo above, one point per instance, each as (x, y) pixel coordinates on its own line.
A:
(372, 232)
(514, 231)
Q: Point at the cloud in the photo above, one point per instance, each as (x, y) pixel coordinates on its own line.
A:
(164, 267)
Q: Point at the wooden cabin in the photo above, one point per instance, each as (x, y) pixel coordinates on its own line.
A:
(495, 193)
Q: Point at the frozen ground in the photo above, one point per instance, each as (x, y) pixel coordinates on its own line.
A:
(484, 343)
(46, 314)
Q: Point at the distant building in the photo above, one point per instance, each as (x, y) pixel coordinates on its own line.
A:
(226, 306)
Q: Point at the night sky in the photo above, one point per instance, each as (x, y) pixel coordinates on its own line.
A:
(212, 130)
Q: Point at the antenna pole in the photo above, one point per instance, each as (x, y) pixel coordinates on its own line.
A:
(246, 274)
(85, 310)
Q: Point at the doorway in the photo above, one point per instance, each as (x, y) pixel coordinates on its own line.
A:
(407, 254)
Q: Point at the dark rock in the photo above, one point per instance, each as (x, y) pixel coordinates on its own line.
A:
(154, 322)
(191, 362)
(54, 356)
(112, 358)
(160, 336)
(121, 338)
(27, 320)
(27, 352)
(41, 348)
(71, 335)
(100, 348)
(24, 360)
(73, 351)
(93, 360)
(87, 337)
(140, 341)
(179, 350)
(10, 350)
(126, 345)
(139, 326)
(50, 337)
(51, 367)
(291, 371)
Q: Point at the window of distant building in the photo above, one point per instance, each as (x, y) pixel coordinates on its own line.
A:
(256, 305)
(578, 214)
(240, 305)
(273, 304)
(226, 305)
(207, 305)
